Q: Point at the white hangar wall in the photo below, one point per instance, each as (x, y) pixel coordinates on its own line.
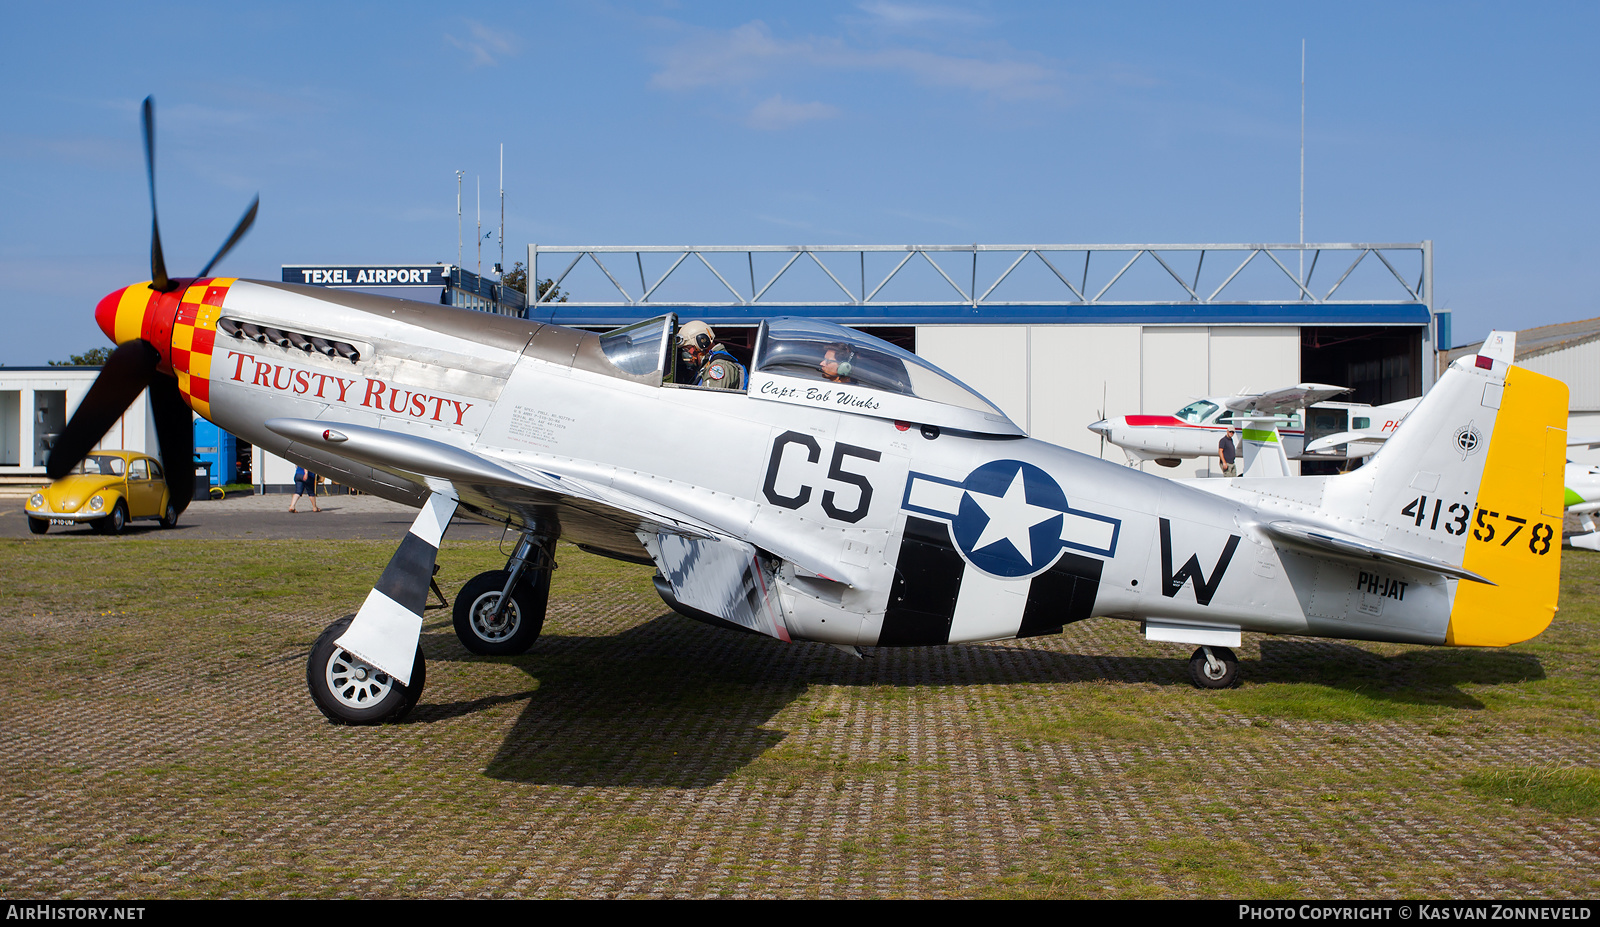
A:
(1054, 380)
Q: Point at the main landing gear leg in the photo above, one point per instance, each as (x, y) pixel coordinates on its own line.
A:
(501, 612)
(370, 669)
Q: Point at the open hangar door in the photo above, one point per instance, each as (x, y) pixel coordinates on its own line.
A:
(1379, 364)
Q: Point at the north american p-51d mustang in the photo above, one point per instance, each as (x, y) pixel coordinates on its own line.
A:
(886, 504)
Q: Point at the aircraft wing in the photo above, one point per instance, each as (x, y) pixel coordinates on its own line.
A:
(1346, 547)
(492, 484)
(1287, 399)
(1591, 441)
(594, 515)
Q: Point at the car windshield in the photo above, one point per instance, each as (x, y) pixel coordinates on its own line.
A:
(1196, 412)
(816, 350)
(100, 465)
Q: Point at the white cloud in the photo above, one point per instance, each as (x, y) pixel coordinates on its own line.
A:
(777, 113)
(744, 54)
(486, 46)
(901, 15)
(741, 54)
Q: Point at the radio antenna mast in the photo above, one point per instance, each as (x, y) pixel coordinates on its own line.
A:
(501, 267)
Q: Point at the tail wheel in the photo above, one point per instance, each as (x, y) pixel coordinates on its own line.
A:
(518, 625)
(1214, 668)
(348, 690)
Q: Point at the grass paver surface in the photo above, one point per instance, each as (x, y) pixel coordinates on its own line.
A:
(157, 740)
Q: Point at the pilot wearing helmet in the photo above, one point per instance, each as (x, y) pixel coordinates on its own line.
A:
(704, 362)
(838, 361)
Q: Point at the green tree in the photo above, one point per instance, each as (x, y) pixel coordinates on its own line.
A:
(94, 357)
(517, 279)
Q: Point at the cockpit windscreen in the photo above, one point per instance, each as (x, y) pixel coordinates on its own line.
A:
(816, 350)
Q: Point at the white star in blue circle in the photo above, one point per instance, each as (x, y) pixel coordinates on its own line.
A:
(1010, 519)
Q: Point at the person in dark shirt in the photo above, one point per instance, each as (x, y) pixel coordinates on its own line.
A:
(1227, 452)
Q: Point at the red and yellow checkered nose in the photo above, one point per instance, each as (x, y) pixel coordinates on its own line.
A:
(180, 325)
(138, 312)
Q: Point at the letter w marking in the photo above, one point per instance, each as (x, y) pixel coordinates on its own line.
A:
(1203, 589)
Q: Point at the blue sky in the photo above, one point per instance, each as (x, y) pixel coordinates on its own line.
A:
(879, 122)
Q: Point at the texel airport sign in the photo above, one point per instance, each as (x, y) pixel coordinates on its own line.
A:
(367, 275)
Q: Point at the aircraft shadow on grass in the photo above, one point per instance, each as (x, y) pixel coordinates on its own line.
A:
(671, 703)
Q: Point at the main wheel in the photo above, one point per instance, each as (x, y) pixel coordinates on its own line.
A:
(519, 625)
(115, 522)
(38, 525)
(348, 690)
(169, 518)
(1222, 674)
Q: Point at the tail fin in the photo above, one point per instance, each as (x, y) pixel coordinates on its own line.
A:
(1475, 477)
(1262, 453)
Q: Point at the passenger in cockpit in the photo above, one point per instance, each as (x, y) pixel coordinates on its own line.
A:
(837, 363)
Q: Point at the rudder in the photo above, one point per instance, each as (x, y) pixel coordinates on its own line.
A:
(1516, 532)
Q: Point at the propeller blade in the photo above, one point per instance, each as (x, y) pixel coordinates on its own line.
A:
(129, 369)
(158, 265)
(175, 432)
(1104, 385)
(247, 220)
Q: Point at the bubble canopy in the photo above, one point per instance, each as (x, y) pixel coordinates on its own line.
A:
(817, 363)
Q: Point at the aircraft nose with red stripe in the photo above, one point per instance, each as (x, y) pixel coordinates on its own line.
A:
(1162, 438)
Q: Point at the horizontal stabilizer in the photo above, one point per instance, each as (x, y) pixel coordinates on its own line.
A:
(1342, 438)
(1323, 541)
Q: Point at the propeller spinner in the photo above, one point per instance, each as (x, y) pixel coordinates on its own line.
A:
(140, 319)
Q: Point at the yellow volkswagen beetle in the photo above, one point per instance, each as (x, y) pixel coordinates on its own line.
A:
(106, 490)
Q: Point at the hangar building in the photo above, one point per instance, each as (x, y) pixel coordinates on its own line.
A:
(1056, 335)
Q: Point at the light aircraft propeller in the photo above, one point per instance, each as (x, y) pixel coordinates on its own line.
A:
(137, 364)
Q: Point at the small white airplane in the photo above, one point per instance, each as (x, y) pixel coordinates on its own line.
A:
(1194, 430)
(890, 506)
(1583, 495)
